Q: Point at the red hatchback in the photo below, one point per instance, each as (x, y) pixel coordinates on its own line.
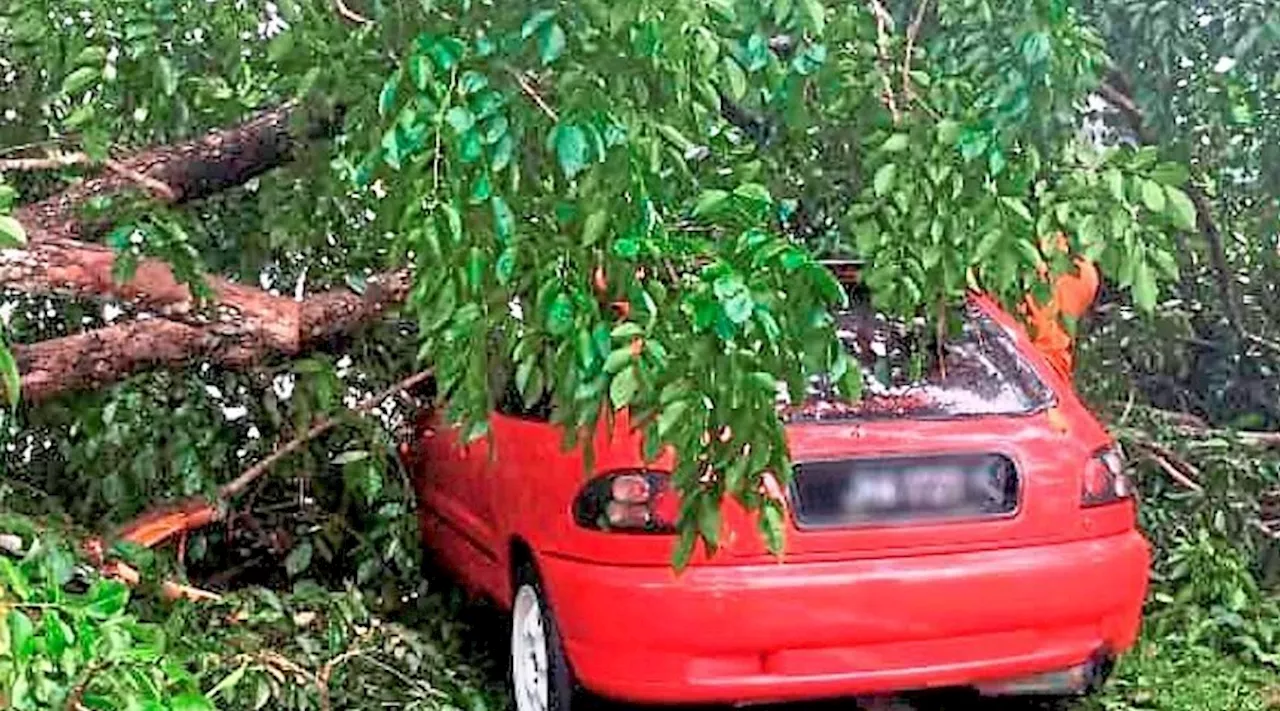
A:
(969, 528)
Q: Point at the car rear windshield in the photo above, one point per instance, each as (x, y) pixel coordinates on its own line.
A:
(979, 374)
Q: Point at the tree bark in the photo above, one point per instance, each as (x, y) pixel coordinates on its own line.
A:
(192, 170)
(239, 326)
(279, 326)
(105, 356)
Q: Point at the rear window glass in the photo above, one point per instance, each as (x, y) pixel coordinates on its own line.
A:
(981, 372)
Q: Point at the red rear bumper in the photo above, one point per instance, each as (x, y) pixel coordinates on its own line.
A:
(808, 630)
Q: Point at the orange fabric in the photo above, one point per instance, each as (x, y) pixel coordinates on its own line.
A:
(1072, 295)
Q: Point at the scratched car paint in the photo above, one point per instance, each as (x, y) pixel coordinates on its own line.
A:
(967, 527)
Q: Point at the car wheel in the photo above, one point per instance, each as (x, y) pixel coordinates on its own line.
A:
(540, 676)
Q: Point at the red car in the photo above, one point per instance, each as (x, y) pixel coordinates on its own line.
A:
(972, 528)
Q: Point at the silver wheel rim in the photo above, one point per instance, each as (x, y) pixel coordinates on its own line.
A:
(529, 652)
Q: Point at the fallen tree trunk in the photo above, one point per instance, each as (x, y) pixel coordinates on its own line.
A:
(249, 326)
(83, 270)
(192, 170)
(238, 326)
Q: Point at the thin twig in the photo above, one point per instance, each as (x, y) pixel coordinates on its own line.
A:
(240, 483)
(1128, 406)
(913, 33)
(52, 162)
(66, 160)
(884, 24)
(155, 187)
(533, 94)
(350, 14)
(9, 150)
(1180, 471)
(326, 671)
(438, 156)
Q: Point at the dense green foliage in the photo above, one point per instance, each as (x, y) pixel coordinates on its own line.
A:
(538, 164)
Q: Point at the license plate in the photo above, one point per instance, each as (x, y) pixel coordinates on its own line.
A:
(859, 491)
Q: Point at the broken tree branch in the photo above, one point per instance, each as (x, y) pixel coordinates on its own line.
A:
(1173, 472)
(250, 475)
(67, 160)
(52, 162)
(244, 326)
(527, 87)
(195, 169)
(157, 189)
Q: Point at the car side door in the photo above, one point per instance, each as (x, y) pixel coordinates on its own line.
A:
(454, 478)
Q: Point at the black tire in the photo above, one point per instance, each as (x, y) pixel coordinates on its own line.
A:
(561, 687)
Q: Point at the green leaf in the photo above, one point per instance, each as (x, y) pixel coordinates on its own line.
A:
(709, 201)
(57, 634)
(496, 129)
(12, 233)
(481, 189)
(355, 455)
(420, 71)
(504, 222)
(734, 77)
(551, 43)
(623, 388)
(883, 181)
(299, 559)
(503, 152)
(593, 227)
(14, 579)
(506, 265)
(739, 307)
(973, 143)
(191, 702)
(985, 246)
(897, 142)
(535, 22)
(560, 315)
(1180, 208)
(618, 359)
(626, 330)
(1153, 196)
(684, 548)
(107, 598)
(472, 81)
(22, 640)
(814, 13)
(1145, 291)
(91, 55)
(471, 148)
(1017, 206)
(1115, 183)
(168, 76)
(229, 681)
(671, 415)
(387, 97)
(80, 79)
(460, 119)
(709, 521)
(1035, 48)
(571, 149)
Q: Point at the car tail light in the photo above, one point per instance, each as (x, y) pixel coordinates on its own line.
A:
(1105, 481)
(632, 501)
